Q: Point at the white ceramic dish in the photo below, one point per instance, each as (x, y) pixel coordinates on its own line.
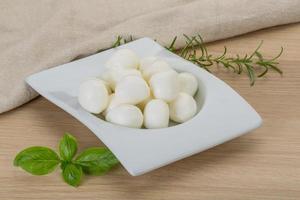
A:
(223, 114)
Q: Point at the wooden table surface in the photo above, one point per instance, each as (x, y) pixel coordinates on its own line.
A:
(264, 164)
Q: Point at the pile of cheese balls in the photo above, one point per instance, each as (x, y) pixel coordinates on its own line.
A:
(139, 93)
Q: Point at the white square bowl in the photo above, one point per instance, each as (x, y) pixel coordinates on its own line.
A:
(223, 114)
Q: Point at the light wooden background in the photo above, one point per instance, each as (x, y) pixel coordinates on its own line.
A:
(264, 164)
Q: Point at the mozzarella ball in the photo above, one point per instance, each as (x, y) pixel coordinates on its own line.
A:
(125, 115)
(156, 114)
(132, 90)
(147, 62)
(183, 108)
(165, 85)
(188, 83)
(156, 67)
(123, 59)
(93, 96)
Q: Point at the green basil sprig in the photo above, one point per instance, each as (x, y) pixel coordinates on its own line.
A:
(39, 160)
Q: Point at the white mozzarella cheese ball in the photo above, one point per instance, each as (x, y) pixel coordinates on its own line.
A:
(125, 115)
(123, 59)
(147, 62)
(132, 90)
(156, 114)
(183, 108)
(156, 67)
(188, 83)
(165, 85)
(93, 96)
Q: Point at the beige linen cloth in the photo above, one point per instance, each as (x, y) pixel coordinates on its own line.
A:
(38, 34)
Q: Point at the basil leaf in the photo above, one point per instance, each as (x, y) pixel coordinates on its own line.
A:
(67, 147)
(37, 160)
(72, 174)
(96, 160)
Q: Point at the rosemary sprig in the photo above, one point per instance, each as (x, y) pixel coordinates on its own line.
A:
(253, 65)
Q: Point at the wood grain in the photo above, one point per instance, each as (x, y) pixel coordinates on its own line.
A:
(264, 164)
